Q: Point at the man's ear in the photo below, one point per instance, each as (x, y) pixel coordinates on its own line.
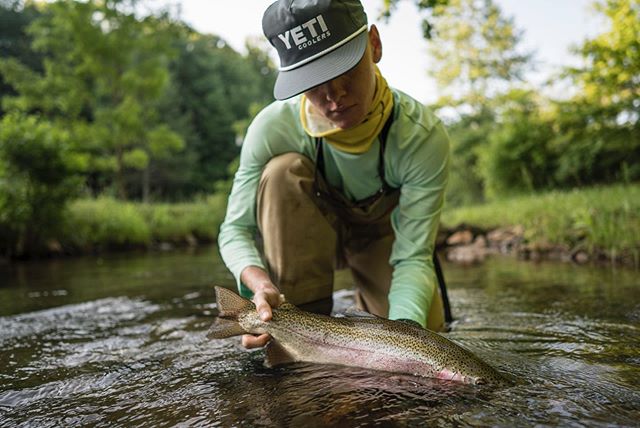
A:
(375, 44)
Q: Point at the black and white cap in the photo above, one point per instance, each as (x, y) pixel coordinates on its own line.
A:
(316, 40)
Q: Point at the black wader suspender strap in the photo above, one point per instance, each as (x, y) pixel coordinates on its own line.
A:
(384, 132)
(383, 143)
(448, 317)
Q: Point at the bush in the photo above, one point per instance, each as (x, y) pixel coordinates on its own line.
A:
(468, 139)
(518, 158)
(38, 175)
(106, 223)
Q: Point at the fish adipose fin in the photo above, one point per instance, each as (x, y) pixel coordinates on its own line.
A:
(277, 355)
(230, 304)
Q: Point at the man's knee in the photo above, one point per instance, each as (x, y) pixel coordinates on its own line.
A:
(283, 168)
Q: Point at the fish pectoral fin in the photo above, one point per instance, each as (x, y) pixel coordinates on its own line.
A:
(223, 328)
(277, 355)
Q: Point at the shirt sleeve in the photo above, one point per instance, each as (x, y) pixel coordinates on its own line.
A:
(425, 169)
(236, 240)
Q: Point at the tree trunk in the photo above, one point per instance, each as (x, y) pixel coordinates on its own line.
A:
(122, 190)
(145, 183)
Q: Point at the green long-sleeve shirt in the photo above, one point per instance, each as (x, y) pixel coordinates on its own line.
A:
(416, 161)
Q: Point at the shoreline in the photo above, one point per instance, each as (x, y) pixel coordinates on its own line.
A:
(462, 244)
(469, 244)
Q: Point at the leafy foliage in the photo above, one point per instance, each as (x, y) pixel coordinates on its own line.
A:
(477, 62)
(518, 158)
(509, 139)
(601, 124)
(468, 137)
(39, 168)
(476, 53)
(140, 105)
(213, 88)
(610, 77)
(108, 223)
(15, 42)
(97, 98)
(154, 103)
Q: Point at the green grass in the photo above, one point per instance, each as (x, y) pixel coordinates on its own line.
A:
(106, 223)
(600, 219)
(597, 219)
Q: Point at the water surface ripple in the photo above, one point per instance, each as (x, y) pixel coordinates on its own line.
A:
(137, 355)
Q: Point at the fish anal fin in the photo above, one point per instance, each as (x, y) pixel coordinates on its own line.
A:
(277, 355)
(231, 304)
(223, 328)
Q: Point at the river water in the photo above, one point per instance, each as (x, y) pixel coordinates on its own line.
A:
(120, 341)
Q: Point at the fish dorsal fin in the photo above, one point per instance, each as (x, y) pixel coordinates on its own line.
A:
(223, 328)
(230, 304)
(277, 355)
(355, 312)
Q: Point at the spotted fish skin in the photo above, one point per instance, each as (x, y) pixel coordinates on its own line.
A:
(368, 342)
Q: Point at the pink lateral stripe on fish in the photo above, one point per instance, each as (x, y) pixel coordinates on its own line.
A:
(368, 342)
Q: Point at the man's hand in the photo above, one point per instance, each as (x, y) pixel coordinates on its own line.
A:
(265, 296)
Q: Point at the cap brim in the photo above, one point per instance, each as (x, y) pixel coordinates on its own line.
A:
(327, 67)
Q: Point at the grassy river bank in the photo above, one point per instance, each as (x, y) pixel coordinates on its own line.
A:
(602, 222)
(106, 224)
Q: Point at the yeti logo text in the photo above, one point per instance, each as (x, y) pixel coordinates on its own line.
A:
(300, 39)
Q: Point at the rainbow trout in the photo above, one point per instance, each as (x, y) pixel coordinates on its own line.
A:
(361, 341)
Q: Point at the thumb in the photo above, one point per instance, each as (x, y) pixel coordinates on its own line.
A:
(262, 307)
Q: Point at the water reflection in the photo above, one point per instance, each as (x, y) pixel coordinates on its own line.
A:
(135, 352)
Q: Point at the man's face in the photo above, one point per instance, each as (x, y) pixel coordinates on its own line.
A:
(346, 100)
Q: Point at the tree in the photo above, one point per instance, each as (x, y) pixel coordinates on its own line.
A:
(519, 156)
(610, 76)
(426, 6)
(475, 53)
(104, 71)
(39, 173)
(476, 59)
(14, 40)
(603, 118)
(212, 88)
(153, 103)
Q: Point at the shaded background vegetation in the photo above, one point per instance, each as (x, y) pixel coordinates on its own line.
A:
(104, 110)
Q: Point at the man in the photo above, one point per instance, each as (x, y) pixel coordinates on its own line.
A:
(341, 171)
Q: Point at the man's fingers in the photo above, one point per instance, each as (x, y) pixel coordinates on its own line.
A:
(251, 341)
(263, 308)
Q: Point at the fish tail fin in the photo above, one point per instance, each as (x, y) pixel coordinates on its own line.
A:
(231, 304)
(223, 328)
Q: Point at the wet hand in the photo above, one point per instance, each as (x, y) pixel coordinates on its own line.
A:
(250, 341)
(266, 297)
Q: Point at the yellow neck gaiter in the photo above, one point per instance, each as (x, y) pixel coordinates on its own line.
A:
(357, 139)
